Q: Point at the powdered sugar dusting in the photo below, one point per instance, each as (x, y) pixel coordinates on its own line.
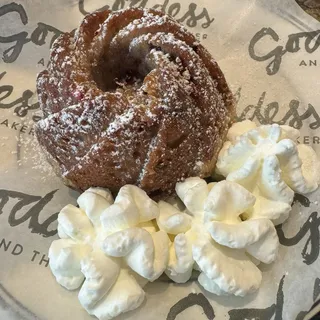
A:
(159, 114)
(31, 156)
(120, 121)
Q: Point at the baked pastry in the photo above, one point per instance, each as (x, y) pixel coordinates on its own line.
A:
(131, 97)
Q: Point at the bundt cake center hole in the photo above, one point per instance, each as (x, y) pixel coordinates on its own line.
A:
(113, 73)
(128, 85)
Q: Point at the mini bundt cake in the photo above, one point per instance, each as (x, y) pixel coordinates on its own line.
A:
(131, 97)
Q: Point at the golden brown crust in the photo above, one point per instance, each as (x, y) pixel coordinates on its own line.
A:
(132, 97)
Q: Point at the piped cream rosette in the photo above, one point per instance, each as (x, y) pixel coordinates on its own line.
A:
(210, 236)
(269, 162)
(110, 249)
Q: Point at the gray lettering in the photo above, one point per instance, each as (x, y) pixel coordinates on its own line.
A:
(14, 125)
(302, 63)
(31, 131)
(45, 260)
(35, 253)
(17, 250)
(4, 244)
(23, 129)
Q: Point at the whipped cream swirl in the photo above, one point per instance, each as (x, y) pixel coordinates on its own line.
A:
(210, 236)
(269, 162)
(110, 249)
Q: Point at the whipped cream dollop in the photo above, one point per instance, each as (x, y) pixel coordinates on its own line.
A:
(210, 236)
(269, 162)
(109, 249)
